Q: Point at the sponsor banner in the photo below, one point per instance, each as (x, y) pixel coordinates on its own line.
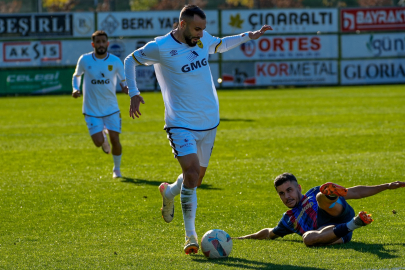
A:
(286, 47)
(235, 74)
(47, 25)
(38, 81)
(372, 71)
(148, 23)
(282, 20)
(296, 73)
(42, 53)
(372, 19)
(373, 45)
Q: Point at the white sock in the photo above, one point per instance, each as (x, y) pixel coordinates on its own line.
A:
(351, 225)
(117, 162)
(173, 189)
(188, 197)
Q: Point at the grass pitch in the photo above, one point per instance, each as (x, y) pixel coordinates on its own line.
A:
(61, 209)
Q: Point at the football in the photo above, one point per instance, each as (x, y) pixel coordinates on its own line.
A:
(216, 244)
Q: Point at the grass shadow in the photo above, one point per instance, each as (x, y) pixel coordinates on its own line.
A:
(138, 181)
(235, 120)
(376, 249)
(247, 264)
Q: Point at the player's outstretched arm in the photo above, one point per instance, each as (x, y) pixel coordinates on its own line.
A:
(259, 33)
(359, 192)
(260, 235)
(134, 106)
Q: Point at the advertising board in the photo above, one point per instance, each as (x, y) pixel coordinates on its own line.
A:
(282, 20)
(16, 26)
(36, 81)
(146, 23)
(372, 19)
(373, 45)
(286, 47)
(373, 71)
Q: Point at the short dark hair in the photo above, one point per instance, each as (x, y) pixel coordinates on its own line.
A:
(282, 178)
(190, 10)
(98, 33)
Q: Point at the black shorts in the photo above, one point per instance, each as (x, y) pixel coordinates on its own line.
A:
(324, 219)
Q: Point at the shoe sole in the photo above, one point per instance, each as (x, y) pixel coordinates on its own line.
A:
(331, 188)
(162, 190)
(191, 249)
(366, 218)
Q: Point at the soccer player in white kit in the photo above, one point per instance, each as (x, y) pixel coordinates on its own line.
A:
(180, 59)
(100, 106)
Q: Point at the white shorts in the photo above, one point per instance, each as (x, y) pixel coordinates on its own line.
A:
(97, 124)
(185, 142)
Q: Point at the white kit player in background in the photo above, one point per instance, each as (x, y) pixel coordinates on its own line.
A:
(180, 59)
(100, 106)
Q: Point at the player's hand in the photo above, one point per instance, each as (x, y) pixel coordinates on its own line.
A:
(259, 33)
(124, 89)
(75, 94)
(134, 106)
(396, 184)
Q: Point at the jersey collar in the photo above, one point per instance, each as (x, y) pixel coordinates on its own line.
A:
(95, 59)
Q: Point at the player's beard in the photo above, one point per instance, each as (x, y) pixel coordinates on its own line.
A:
(188, 38)
(101, 50)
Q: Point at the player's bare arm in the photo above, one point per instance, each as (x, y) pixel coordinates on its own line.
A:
(260, 235)
(124, 88)
(259, 33)
(359, 192)
(134, 106)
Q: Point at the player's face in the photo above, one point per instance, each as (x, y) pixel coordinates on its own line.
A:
(100, 45)
(289, 193)
(193, 30)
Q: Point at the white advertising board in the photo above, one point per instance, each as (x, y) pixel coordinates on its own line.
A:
(279, 73)
(373, 45)
(373, 71)
(146, 23)
(296, 73)
(282, 20)
(286, 47)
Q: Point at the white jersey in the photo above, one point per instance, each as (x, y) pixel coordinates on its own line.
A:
(185, 79)
(99, 84)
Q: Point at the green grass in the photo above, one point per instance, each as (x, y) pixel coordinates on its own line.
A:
(61, 209)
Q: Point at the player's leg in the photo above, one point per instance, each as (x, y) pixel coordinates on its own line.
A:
(96, 126)
(113, 125)
(328, 198)
(191, 168)
(336, 234)
(205, 145)
(116, 153)
(182, 143)
(323, 236)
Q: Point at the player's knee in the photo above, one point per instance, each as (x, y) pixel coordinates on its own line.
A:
(191, 176)
(309, 239)
(98, 141)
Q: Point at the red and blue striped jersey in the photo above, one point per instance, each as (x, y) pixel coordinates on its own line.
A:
(301, 218)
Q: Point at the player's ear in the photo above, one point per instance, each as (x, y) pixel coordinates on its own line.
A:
(182, 23)
(92, 44)
(300, 188)
(108, 43)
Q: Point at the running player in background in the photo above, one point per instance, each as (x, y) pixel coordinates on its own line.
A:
(180, 59)
(321, 216)
(100, 106)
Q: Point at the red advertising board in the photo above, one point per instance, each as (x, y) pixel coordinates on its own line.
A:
(372, 19)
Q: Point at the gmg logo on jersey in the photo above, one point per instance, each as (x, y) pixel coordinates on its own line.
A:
(100, 81)
(195, 65)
